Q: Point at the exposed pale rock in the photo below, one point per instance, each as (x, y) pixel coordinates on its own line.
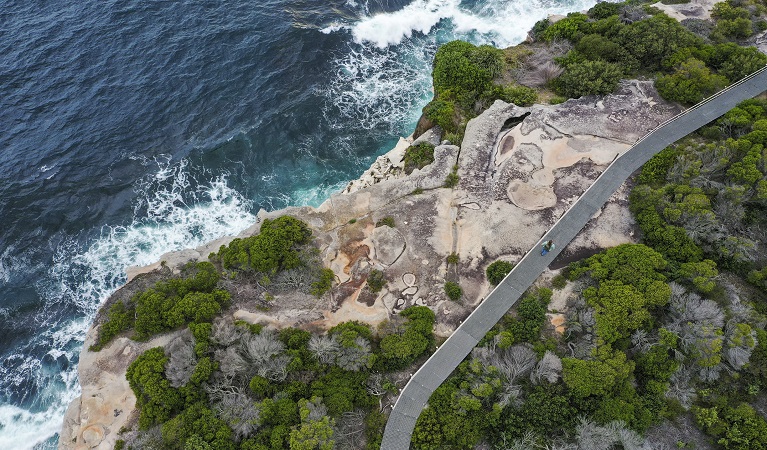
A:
(387, 166)
(695, 9)
(106, 403)
(388, 244)
(507, 155)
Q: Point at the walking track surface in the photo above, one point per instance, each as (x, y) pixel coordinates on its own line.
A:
(422, 384)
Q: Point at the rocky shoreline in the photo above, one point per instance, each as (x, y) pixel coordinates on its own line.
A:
(519, 170)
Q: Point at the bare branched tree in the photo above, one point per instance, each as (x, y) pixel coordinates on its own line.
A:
(239, 412)
(260, 348)
(355, 357)
(690, 307)
(515, 361)
(642, 340)
(350, 430)
(592, 436)
(231, 364)
(374, 385)
(224, 332)
(681, 388)
(150, 439)
(275, 368)
(181, 360)
(298, 279)
(549, 368)
(324, 348)
(539, 68)
(317, 410)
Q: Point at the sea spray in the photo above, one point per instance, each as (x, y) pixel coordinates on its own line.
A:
(176, 211)
(385, 76)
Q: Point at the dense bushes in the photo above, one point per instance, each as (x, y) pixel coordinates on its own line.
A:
(418, 156)
(711, 198)
(690, 83)
(155, 398)
(453, 291)
(589, 78)
(463, 79)
(252, 388)
(167, 305)
(464, 71)
(497, 271)
(272, 250)
(401, 347)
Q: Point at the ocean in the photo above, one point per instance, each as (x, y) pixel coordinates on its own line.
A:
(132, 128)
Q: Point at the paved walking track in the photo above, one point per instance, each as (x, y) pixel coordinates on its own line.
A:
(416, 393)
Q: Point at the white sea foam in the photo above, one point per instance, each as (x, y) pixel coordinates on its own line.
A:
(380, 88)
(384, 79)
(503, 22)
(175, 212)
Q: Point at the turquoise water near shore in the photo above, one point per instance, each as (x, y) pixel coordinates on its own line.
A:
(129, 129)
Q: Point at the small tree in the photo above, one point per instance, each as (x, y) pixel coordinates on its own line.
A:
(453, 290)
(497, 271)
(376, 281)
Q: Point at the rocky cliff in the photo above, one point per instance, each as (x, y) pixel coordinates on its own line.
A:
(519, 169)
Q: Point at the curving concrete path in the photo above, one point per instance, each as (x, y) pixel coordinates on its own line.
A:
(422, 384)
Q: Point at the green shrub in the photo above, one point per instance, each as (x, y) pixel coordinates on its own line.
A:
(603, 10)
(497, 271)
(179, 301)
(518, 95)
(452, 178)
(690, 83)
(569, 28)
(596, 47)
(119, 318)
(156, 400)
(272, 250)
(736, 62)
(454, 138)
(376, 281)
(443, 113)
(453, 291)
(656, 169)
(465, 70)
(418, 156)
(733, 29)
(539, 29)
(559, 282)
(724, 10)
(453, 258)
(197, 427)
(652, 40)
(388, 221)
(324, 283)
(588, 78)
(400, 349)
(735, 428)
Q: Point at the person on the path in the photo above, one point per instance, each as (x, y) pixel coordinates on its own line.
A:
(547, 247)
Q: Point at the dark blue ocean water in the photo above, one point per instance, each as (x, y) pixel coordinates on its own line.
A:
(132, 128)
